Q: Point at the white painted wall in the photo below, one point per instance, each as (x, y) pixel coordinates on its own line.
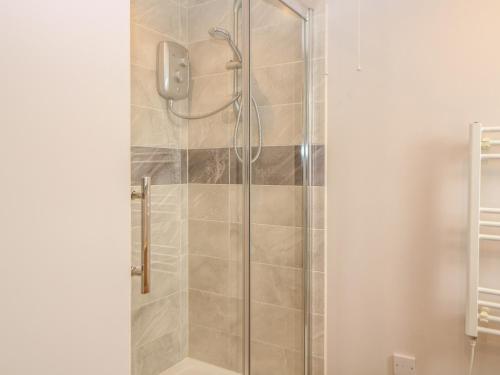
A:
(64, 217)
(398, 143)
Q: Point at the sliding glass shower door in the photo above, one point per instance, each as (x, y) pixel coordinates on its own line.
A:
(223, 181)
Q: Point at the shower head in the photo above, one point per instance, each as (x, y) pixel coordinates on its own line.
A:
(219, 33)
(223, 34)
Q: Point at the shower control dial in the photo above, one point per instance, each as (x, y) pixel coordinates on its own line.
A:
(178, 77)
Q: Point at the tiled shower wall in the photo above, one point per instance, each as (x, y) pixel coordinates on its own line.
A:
(277, 207)
(195, 306)
(159, 319)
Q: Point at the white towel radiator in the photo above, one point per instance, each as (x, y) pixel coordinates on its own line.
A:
(478, 310)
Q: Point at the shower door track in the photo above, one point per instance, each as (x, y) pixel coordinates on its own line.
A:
(305, 14)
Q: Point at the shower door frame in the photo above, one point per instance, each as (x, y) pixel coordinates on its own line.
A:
(306, 14)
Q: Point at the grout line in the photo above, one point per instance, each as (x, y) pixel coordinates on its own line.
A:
(293, 309)
(278, 266)
(241, 299)
(229, 333)
(149, 108)
(140, 306)
(261, 67)
(143, 67)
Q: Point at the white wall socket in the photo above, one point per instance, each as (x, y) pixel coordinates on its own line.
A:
(404, 365)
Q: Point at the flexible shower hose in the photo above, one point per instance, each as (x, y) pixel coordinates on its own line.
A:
(236, 126)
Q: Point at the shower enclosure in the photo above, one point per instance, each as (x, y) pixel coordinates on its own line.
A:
(227, 181)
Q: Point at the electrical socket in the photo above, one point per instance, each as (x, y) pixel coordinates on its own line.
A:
(404, 365)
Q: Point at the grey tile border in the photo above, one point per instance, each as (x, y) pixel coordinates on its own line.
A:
(281, 165)
(165, 166)
(208, 166)
(277, 165)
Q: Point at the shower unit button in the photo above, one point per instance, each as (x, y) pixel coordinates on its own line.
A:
(172, 71)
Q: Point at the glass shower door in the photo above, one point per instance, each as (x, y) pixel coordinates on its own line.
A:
(221, 188)
(279, 179)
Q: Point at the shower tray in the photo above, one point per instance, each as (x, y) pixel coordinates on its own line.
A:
(189, 366)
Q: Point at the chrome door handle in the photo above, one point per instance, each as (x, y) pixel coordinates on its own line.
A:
(144, 270)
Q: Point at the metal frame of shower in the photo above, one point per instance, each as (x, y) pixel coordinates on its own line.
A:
(306, 14)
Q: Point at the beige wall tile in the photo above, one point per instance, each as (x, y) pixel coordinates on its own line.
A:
(215, 311)
(143, 89)
(318, 133)
(278, 84)
(210, 92)
(235, 279)
(166, 198)
(269, 359)
(143, 45)
(318, 292)
(236, 243)
(278, 43)
(277, 325)
(212, 132)
(319, 80)
(281, 286)
(277, 245)
(209, 57)
(164, 284)
(159, 262)
(276, 205)
(270, 12)
(184, 272)
(318, 207)
(216, 347)
(209, 238)
(206, 15)
(235, 203)
(169, 198)
(153, 128)
(166, 232)
(282, 125)
(192, 3)
(207, 94)
(166, 263)
(318, 250)
(184, 324)
(271, 244)
(318, 335)
(208, 202)
(164, 16)
(156, 356)
(209, 274)
(156, 319)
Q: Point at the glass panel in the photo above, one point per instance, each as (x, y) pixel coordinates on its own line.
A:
(213, 226)
(277, 192)
(159, 319)
(192, 318)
